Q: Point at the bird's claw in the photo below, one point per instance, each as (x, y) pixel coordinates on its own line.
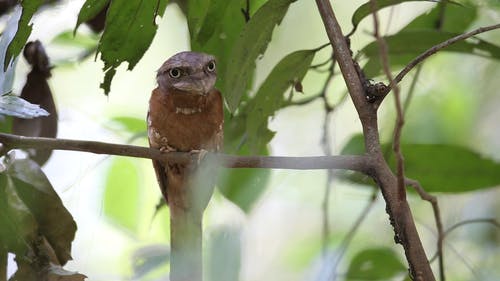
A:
(167, 148)
(201, 154)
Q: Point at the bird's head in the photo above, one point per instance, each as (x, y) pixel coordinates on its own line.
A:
(188, 72)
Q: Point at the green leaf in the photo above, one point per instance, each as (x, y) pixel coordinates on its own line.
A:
(15, 106)
(130, 28)
(457, 18)
(85, 41)
(406, 45)
(89, 10)
(131, 124)
(36, 192)
(23, 31)
(269, 97)
(440, 167)
(224, 249)
(121, 196)
(17, 225)
(196, 12)
(252, 42)
(212, 20)
(241, 186)
(365, 10)
(375, 264)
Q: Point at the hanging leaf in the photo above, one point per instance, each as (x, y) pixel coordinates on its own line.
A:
(54, 222)
(37, 91)
(130, 28)
(269, 98)
(89, 10)
(23, 31)
(252, 42)
(8, 70)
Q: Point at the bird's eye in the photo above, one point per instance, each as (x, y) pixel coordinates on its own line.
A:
(211, 66)
(174, 72)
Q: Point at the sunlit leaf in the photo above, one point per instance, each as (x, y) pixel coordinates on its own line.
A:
(131, 124)
(270, 96)
(121, 196)
(375, 264)
(23, 30)
(252, 42)
(80, 40)
(441, 167)
(89, 10)
(130, 28)
(404, 46)
(36, 192)
(15, 106)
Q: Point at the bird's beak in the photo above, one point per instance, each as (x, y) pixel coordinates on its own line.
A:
(199, 83)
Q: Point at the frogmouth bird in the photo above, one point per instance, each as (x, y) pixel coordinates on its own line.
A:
(186, 115)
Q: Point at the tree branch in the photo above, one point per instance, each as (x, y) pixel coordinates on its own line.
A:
(398, 209)
(359, 163)
(437, 48)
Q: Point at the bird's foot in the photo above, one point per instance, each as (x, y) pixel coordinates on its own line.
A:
(167, 148)
(201, 154)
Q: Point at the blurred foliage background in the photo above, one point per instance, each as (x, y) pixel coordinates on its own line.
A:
(271, 228)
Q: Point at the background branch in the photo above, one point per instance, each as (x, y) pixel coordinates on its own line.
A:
(437, 48)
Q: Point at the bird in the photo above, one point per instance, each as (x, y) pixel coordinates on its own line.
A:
(186, 114)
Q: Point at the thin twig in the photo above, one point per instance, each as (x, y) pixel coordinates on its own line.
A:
(437, 48)
(384, 57)
(437, 218)
(327, 150)
(359, 163)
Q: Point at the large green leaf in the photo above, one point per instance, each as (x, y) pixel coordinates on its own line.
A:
(375, 264)
(241, 186)
(366, 9)
(89, 10)
(130, 28)
(457, 18)
(23, 31)
(17, 225)
(37, 194)
(252, 42)
(269, 98)
(440, 167)
(212, 20)
(121, 196)
(406, 45)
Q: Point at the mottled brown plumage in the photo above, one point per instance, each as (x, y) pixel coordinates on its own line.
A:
(185, 114)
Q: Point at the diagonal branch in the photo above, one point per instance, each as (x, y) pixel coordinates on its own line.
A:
(346, 162)
(437, 48)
